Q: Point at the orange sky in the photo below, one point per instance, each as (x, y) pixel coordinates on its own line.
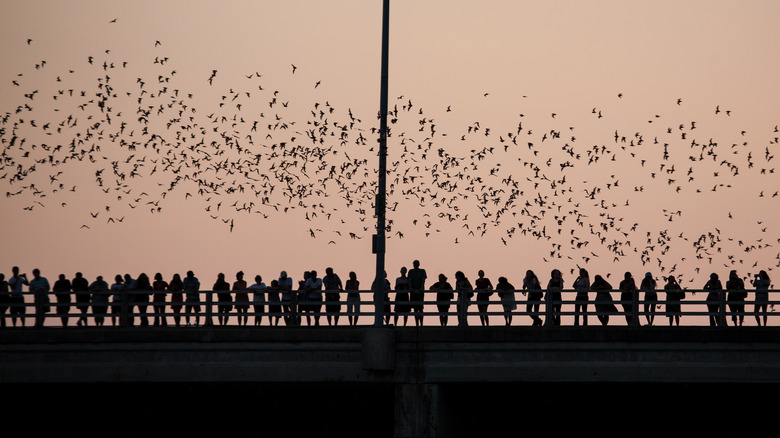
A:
(494, 64)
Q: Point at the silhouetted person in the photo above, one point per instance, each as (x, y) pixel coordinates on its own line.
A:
(402, 306)
(554, 297)
(39, 287)
(736, 297)
(100, 293)
(117, 289)
(506, 292)
(581, 285)
(140, 293)
(444, 297)
(417, 277)
(484, 289)
(16, 305)
(289, 301)
(274, 310)
(762, 283)
(535, 295)
(258, 290)
(242, 298)
(129, 298)
(160, 288)
(5, 299)
(352, 286)
(175, 289)
(465, 293)
(385, 298)
(80, 287)
(648, 286)
(714, 288)
(333, 287)
(302, 298)
(674, 296)
(61, 291)
(191, 287)
(313, 287)
(224, 300)
(628, 291)
(604, 304)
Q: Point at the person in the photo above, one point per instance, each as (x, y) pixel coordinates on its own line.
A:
(581, 285)
(274, 310)
(674, 294)
(535, 295)
(553, 296)
(130, 284)
(191, 287)
(313, 288)
(175, 287)
(484, 289)
(100, 293)
(352, 286)
(61, 291)
(417, 277)
(465, 293)
(140, 293)
(302, 297)
(5, 299)
(224, 299)
(736, 297)
(402, 306)
(506, 292)
(288, 306)
(159, 286)
(385, 298)
(333, 287)
(444, 297)
(648, 286)
(714, 288)
(258, 299)
(604, 304)
(16, 305)
(80, 287)
(116, 300)
(39, 286)
(242, 298)
(628, 291)
(762, 283)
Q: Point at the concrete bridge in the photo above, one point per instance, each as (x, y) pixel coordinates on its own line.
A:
(403, 382)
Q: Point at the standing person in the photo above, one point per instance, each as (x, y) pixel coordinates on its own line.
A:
(674, 294)
(444, 297)
(628, 297)
(160, 287)
(61, 291)
(313, 288)
(274, 303)
(465, 293)
(761, 282)
(258, 299)
(484, 289)
(302, 298)
(554, 297)
(129, 300)
(506, 292)
(80, 287)
(242, 298)
(535, 295)
(116, 301)
(417, 277)
(100, 292)
(5, 299)
(39, 286)
(352, 286)
(385, 298)
(288, 303)
(402, 306)
(141, 292)
(191, 287)
(16, 304)
(604, 304)
(581, 285)
(714, 288)
(648, 286)
(736, 297)
(333, 287)
(224, 299)
(175, 287)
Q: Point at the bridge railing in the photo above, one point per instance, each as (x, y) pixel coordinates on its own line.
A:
(517, 308)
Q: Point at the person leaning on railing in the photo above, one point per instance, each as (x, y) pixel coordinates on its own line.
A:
(762, 283)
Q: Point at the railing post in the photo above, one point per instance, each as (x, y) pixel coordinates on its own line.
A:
(123, 308)
(209, 304)
(634, 308)
(548, 309)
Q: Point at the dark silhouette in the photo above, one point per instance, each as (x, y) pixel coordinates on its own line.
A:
(333, 287)
(80, 287)
(554, 297)
(603, 302)
(16, 305)
(5, 299)
(258, 299)
(61, 291)
(302, 297)
(313, 288)
(484, 289)
(274, 303)
(352, 286)
(581, 285)
(762, 283)
(506, 292)
(674, 296)
(465, 293)
(402, 306)
(444, 297)
(385, 298)
(289, 303)
(535, 295)
(100, 294)
(736, 297)
(118, 289)
(648, 286)
(191, 287)
(39, 286)
(417, 277)
(160, 288)
(129, 297)
(628, 291)
(140, 293)
(714, 288)
(175, 288)
(224, 299)
(242, 298)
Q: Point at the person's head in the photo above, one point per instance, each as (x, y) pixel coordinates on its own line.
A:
(529, 274)
(403, 270)
(648, 276)
(283, 275)
(128, 278)
(221, 276)
(481, 273)
(78, 274)
(15, 270)
(416, 264)
(158, 277)
(240, 275)
(190, 274)
(258, 279)
(176, 277)
(306, 275)
(502, 280)
(117, 278)
(763, 275)
(584, 272)
(555, 273)
(313, 274)
(352, 276)
(61, 276)
(598, 279)
(713, 276)
(329, 271)
(459, 275)
(733, 275)
(442, 278)
(627, 276)
(99, 278)
(36, 273)
(671, 279)
(2, 276)
(274, 283)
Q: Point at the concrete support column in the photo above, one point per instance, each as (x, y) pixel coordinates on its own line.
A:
(417, 410)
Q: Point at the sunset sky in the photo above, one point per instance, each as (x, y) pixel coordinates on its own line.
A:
(617, 136)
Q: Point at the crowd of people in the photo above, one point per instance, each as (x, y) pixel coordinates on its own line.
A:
(127, 300)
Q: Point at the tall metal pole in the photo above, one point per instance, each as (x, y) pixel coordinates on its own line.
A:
(379, 239)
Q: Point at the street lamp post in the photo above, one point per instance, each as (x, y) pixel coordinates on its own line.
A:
(378, 242)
